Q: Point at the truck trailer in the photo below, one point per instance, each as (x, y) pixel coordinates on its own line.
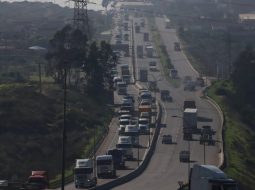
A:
(209, 177)
(84, 173)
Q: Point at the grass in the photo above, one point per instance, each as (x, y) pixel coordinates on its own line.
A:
(239, 139)
(35, 121)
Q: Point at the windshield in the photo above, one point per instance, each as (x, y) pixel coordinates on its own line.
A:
(104, 162)
(82, 177)
(124, 145)
(39, 180)
(229, 187)
(83, 170)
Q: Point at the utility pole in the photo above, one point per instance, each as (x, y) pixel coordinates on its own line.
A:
(64, 136)
(80, 18)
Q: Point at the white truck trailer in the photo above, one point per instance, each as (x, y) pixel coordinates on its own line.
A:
(84, 174)
(209, 177)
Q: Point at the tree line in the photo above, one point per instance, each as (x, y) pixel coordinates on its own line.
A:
(71, 50)
(243, 80)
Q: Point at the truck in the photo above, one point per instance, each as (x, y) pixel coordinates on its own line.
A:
(118, 158)
(137, 29)
(143, 75)
(149, 50)
(125, 145)
(145, 36)
(84, 173)
(189, 123)
(189, 104)
(105, 166)
(210, 177)
(38, 180)
(139, 51)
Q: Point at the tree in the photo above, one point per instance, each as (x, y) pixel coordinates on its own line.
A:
(68, 49)
(243, 76)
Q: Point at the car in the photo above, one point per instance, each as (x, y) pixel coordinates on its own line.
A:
(167, 139)
(129, 97)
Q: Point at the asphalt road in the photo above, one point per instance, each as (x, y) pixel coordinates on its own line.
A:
(165, 169)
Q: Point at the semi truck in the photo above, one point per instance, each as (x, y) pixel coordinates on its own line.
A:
(125, 145)
(139, 50)
(38, 180)
(137, 29)
(105, 166)
(149, 50)
(146, 36)
(189, 123)
(143, 75)
(189, 104)
(209, 177)
(84, 173)
(118, 158)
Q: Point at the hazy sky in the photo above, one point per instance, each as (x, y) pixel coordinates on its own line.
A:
(96, 6)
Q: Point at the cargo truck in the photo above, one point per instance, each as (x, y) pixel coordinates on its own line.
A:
(149, 50)
(137, 29)
(209, 177)
(143, 75)
(118, 158)
(38, 180)
(139, 51)
(105, 166)
(84, 174)
(189, 104)
(146, 36)
(189, 123)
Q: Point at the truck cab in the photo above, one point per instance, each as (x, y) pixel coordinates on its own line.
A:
(84, 173)
(209, 177)
(105, 166)
(38, 179)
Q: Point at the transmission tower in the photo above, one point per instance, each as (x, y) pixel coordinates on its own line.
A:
(80, 19)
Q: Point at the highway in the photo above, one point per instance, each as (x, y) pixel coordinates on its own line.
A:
(165, 169)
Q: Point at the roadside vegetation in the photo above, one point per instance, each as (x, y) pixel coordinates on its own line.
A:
(31, 120)
(216, 44)
(235, 97)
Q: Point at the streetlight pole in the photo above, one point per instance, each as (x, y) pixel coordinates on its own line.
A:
(64, 136)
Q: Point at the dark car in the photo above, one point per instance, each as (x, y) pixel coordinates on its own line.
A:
(167, 139)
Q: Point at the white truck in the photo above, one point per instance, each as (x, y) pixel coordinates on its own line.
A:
(125, 145)
(105, 166)
(84, 174)
(209, 177)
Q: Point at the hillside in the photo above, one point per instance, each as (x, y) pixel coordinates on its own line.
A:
(31, 128)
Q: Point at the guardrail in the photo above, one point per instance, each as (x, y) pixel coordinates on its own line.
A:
(144, 164)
